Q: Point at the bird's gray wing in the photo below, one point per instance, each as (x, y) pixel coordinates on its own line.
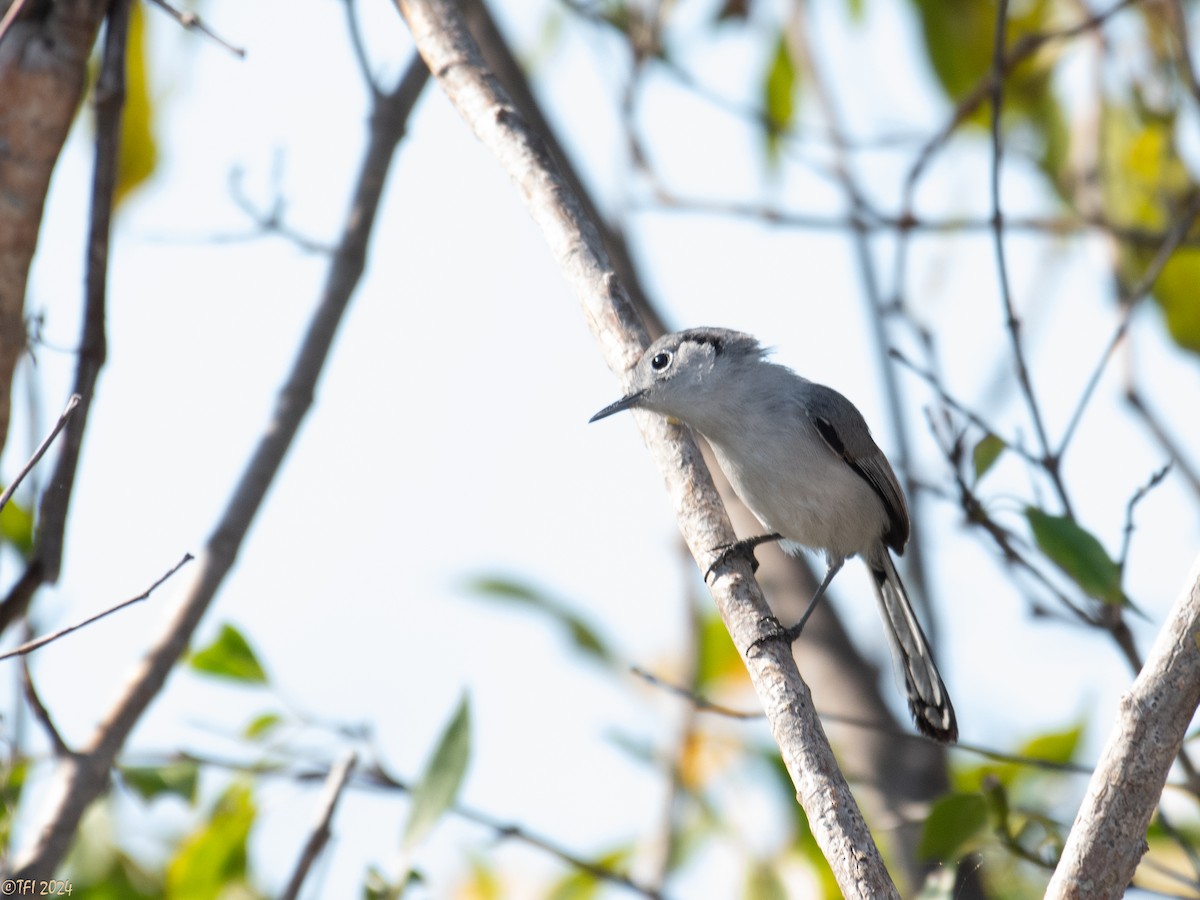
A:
(853, 443)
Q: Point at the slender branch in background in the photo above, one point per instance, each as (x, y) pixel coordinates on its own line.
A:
(1185, 48)
(192, 22)
(335, 783)
(359, 47)
(915, 570)
(976, 513)
(40, 451)
(377, 776)
(374, 776)
(443, 40)
(935, 383)
(1011, 322)
(702, 704)
(1173, 448)
(84, 776)
(1138, 496)
(271, 222)
(970, 104)
(45, 561)
(37, 643)
(40, 714)
(1128, 304)
(874, 221)
(511, 75)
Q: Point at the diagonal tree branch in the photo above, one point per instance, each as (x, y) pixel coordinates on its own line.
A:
(335, 784)
(442, 38)
(1108, 837)
(83, 776)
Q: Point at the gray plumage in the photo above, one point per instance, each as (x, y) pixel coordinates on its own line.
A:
(801, 457)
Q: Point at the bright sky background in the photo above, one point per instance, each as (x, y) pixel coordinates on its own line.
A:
(450, 439)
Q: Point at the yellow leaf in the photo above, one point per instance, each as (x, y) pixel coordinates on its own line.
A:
(139, 151)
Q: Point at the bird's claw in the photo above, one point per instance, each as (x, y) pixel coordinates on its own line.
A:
(775, 632)
(729, 551)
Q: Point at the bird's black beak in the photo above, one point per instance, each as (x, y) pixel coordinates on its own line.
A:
(624, 403)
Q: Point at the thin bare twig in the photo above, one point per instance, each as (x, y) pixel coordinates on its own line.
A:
(703, 704)
(63, 418)
(40, 713)
(359, 48)
(335, 784)
(1176, 452)
(192, 22)
(1011, 322)
(37, 643)
(1175, 236)
(1138, 496)
(85, 775)
(270, 222)
(375, 777)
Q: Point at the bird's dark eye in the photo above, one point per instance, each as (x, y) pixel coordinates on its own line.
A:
(660, 361)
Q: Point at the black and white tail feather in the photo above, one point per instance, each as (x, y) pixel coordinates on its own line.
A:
(928, 698)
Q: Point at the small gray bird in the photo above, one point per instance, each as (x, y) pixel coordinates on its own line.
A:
(802, 459)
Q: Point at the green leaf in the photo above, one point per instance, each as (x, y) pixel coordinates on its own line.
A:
(13, 773)
(179, 778)
(582, 635)
(718, 657)
(436, 791)
(763, 883)
(580, 885)
(986, 452)
(779, 97)
(212, 859)
(16, 526)
(261, 726)
(138, 155)
(1175, 294)
(954, 820)
(1078, 553)
(1055, 746)
(229, 656)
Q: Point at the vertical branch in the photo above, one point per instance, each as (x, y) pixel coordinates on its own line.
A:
(46, 561)
(1011, 322)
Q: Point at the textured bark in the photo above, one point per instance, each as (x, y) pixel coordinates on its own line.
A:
(1108, 838)
(43, 71)
(443, 40)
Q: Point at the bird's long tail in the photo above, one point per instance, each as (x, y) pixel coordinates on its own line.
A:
(927, 696)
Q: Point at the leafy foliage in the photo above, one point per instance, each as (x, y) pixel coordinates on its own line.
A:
(583, 636)
(138, 157)
(229, 656)
(438, 787)
(180, 778)
(214, 856)
(1078, 553)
